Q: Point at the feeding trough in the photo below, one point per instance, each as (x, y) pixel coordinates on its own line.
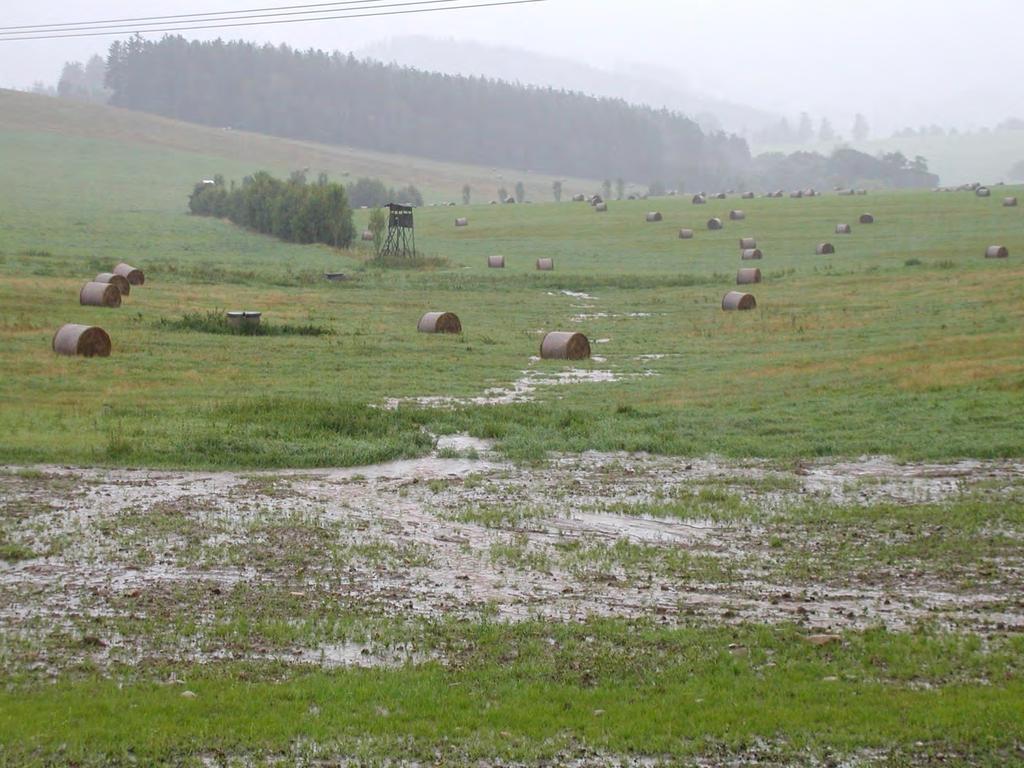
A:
(565, 345)
(736, 300)
(84, 340)
(439, 322)
(244, 319)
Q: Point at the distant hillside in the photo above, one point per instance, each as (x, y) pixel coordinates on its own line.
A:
(636, 84)
(238, 152)
(334, 98)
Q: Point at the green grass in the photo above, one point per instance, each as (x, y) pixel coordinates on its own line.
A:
(215, 321)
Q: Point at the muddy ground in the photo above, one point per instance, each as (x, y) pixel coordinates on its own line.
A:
(118, 566)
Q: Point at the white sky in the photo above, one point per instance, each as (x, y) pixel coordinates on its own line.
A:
(901, 62)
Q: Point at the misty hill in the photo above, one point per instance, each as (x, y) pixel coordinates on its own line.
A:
(333, 98)
(636, 84)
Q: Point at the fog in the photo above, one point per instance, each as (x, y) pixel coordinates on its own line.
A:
(908, 62)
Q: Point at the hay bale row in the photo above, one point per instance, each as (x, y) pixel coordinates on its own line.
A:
(565, 345)
(132, 274)
(84, 340)
(748, 276)
(738, 301)
(99, 295)
(439, 322)
(997, 252)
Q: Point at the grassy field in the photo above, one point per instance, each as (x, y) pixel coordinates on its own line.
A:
(160, 629)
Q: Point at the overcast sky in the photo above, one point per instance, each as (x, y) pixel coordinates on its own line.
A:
(902, 62)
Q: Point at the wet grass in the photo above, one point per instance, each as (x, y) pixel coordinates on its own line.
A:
(215, 321)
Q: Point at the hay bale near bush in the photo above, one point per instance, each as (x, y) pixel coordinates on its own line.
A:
(84, 340)
(601, 207)
(737, 300)
(244, 319)
(496, 262)
(825, 249)
(686, 234)
(462, 222)
(565, 345)
(751, 254)
(997, 252)
(737, 215)
(715, 224)
(367, 236)
(118, 280)
(132, 274)
(439, 322)
(747, 242)
(99, 295)
(654, 216)
(748, 276)
(867, 218)
(545, 265)
(1009, 202)
(699, 200)
(844, 229)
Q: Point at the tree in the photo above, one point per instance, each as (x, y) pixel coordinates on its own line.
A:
(826, 132)
(861, 129)
(467, 193)
(805, 132)
(556, 189)
(606, 189)
(378, 223)
(919, 164)
(620, 188)
(502, 194)
(656, 189)
(520, 192)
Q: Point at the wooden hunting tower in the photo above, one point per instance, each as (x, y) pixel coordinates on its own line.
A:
(401, 240)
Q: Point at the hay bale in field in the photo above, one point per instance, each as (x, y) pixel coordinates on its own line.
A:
(654, 216)
(462, 222)
(686, 234)
(579, 198)
(983, 192)
(130, 273)
(496, 262)
(119, 280)
(699, 200)
(367, 236)
(439, 322)
(810, 193)
(601, 207)
(867, 218)
(748, 196)
(779, 194)
(862, 192)
(715, 224)
(99, 295)
(720, 196)
(747, 242)
(84, 340)
(824, 249)
(751, 254)
(596, 200)
(737, 300)
(1009, 202)
(997, 252)
(545, 265)
(565, 345)
(748, 276)
(844, 229)
(737, 215)
(796, 195)
(244, 319)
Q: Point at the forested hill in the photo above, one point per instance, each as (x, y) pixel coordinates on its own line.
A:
(333, 98)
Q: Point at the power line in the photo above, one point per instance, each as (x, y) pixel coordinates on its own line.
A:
(172, 18)
(110, 32)
(130, 25)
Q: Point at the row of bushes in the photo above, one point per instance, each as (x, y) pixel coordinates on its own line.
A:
(292, 210)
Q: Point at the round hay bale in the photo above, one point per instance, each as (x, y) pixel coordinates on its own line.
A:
(119, 280)
(439, 322)
(699, 200)
(747, 242)
(748, 276)
(601, 207)
(867, 218)
(132, 274)
(720, 196)
(654, 216)
(84, 340)
(862, 192)
(997, 252)
(737, 215)
(99, 295)
(244, 319)
(715, 224)
(565, 345)
(686, 234)
(596, 200)
(367, 236)
(751, 254)
(545, 265)
(748, 196)
(579, 198)
(1009, 202)
(844, 229)
(983, 192)
(824, 249)
(462, 222)
(810, 193)
(737, 300)
(496, 262)
(796, 195)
